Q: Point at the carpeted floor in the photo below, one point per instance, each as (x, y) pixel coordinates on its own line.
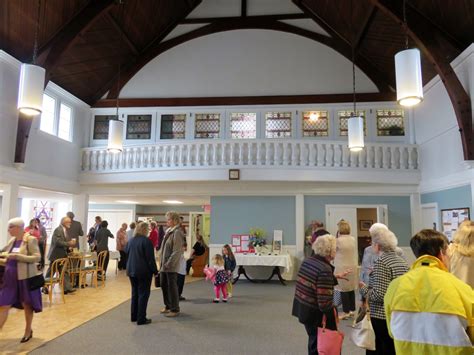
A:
(256, 321)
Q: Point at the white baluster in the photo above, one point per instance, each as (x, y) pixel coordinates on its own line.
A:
(312, 154)
(240, 157)
(337, 156)
(86, 164)
(304, 155)
(363, 157)
(259, 153)
(286, 153)
(215, 147)
(329, 155)
(414, 158)
(393, 157)
(231, 156)
(250, 154)
(295, 149)
(271, 153)
(386, 157)
(268, 157)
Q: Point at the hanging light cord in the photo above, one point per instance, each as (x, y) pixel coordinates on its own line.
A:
(353, 68)
(35, 47)
(120, 2)
(405, 23)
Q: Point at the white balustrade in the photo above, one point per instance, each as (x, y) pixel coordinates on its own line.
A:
(251, 153)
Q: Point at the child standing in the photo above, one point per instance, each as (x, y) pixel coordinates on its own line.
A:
(229, 265)
(220, 278)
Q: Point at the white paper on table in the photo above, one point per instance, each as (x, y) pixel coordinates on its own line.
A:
(235, 240)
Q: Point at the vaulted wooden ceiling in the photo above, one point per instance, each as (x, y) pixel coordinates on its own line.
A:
(83, 42)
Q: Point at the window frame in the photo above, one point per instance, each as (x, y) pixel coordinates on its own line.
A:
(58, 102)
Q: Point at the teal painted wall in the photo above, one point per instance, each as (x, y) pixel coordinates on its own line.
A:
(399, 217)
(236, 215)
(164, 209)
(450, 198)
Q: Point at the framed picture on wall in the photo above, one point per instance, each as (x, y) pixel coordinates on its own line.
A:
(365, 224)
(452, 218)
(277, 241)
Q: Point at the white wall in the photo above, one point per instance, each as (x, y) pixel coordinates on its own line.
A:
(46, 155)
(246, 63)
(436, 128)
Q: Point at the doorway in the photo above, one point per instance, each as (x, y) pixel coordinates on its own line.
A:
(114, 218)
(199, 223)
(359, 217)
(429, 216)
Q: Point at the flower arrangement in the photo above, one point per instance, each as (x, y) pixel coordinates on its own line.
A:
(257, 237)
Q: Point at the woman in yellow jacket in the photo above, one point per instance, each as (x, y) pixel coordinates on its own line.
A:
(429, 310)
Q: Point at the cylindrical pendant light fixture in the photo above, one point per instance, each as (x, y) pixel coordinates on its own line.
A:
(30, 91)
(355, 127)
(408, 77)
(115, 141)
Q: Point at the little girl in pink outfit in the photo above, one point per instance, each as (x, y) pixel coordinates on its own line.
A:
(220, 278)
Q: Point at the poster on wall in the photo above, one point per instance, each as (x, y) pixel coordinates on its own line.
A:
(240, 243)
(452, 218)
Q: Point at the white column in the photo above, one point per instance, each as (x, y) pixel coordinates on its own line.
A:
(299, 230)
(10, 209)
(80, 207)
(415, 207)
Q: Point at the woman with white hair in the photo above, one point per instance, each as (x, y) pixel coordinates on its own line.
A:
(461, 253)
(388, 266)
(20, 257)
(314, 290)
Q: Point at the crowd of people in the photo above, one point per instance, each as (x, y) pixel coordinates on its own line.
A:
(423, 309)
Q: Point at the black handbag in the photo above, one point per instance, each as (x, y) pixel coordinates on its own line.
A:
(36, 281)
(157, 280)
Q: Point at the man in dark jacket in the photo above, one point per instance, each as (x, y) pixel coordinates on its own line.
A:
(141, 266)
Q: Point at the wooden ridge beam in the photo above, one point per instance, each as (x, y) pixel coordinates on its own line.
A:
(240, 23)
(247, 100)
(206, 20)
(432, 43)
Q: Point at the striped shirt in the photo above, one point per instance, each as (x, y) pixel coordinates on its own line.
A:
(387, 267)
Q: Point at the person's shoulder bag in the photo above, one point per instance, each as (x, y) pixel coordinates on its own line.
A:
(330, 341)
(34, 282)
(363, 334)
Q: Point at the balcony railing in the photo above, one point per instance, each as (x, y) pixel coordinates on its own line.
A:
(252, 154)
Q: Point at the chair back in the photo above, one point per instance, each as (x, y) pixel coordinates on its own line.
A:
(75, 264)
(58, 269)
(101, 260)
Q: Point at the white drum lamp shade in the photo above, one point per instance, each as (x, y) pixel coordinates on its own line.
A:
(355, 126)
(115, 141)
(30, 92)
(408, 77)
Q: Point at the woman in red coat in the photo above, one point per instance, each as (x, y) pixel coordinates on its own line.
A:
(154, 235)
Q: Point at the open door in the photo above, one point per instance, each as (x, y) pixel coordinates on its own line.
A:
(336, 213)
(382, 214)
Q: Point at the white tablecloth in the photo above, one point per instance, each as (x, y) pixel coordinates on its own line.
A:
(283, 260)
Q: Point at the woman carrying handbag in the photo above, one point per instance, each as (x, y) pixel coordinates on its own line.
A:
(313, 301)
(20, 256)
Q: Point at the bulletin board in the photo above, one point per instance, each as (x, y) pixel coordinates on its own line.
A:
(452, 218)
(240, 243)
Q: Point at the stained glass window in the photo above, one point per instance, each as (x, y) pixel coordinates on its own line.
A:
(101, 126)
(390, 122)
(138, 126)
(278, 124)
(173, 126)
(344, 118)
(243, 125)
(315, 124)
(207, 125)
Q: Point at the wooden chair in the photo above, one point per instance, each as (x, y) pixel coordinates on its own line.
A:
(76, 264)
(199, 262)
(58, 271)
(95, 269)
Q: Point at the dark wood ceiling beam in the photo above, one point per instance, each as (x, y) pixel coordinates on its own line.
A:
(138, 58)
(243, 8)
(206, 20)
(59, 44)
(247, 100)
(430, 41)
(380, 79)
(320, 21)
(359, 37)
(241, 23)
(124, 37)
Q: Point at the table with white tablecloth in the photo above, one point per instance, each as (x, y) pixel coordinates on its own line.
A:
(275, 261)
